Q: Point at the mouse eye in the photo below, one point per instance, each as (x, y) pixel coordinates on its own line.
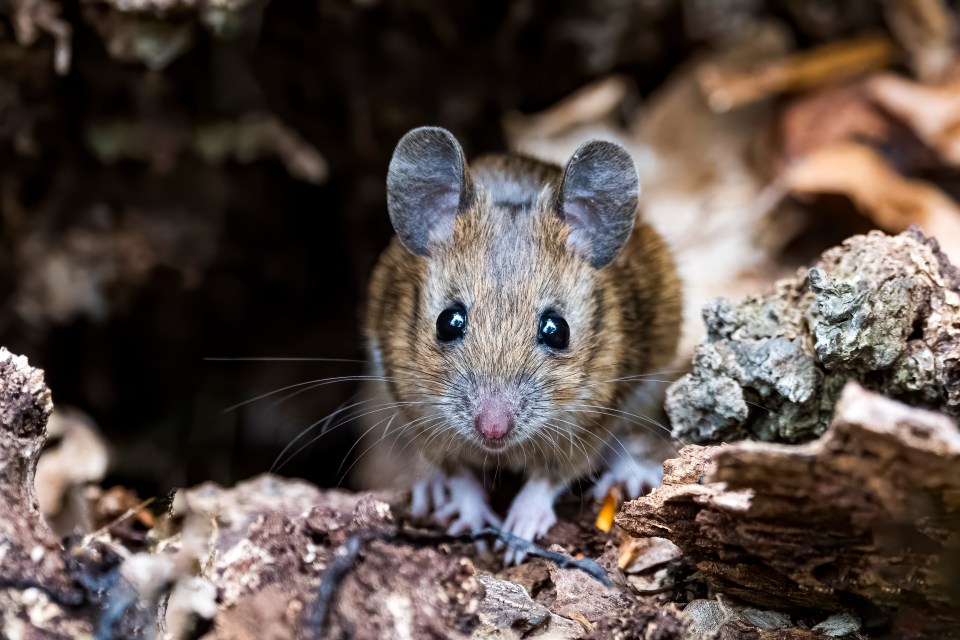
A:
(452, 323)
(554, 331)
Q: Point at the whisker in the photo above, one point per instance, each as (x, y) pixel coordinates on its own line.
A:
(628, 379)
(281, 359)
(612, 412)
(326, 420)
(319, 382)
(553, 429)
(323, 421)
(580, 441)
(378, 441)
(364, 435)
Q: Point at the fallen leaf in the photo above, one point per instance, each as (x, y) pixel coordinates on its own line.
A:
(933, 112)
(892, 201)
(608, 511)
(638, 555)
(848, 113)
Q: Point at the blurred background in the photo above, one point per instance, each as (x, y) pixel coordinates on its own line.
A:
(188, 179)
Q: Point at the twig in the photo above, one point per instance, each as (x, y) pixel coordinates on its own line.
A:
(332, 577)
(132, 511)
(588, 566)
(727, 89)
(345, 559)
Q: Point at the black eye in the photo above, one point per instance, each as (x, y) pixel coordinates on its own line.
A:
(554, 331)
(452, 323)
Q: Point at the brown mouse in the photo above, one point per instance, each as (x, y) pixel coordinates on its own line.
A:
(508, 322)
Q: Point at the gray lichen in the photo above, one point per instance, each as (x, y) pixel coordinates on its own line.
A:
(882, 310)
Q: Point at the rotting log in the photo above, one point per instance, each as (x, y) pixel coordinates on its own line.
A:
(864, 519)
(34, 578)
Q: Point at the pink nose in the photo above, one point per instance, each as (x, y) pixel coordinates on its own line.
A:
(494, 419)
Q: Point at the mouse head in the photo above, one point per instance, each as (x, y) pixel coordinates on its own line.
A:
(513, 329)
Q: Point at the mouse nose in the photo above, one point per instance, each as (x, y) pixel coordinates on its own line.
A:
(494, 419)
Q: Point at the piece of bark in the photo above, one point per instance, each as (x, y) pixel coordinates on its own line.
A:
(586, 599)
(865, 518)
(723, 620)
(47, 591)
(272, 542)
(33, 572)
(879, 309)
(508, 611)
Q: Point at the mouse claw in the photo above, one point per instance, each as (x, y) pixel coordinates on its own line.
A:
(635, 477)
(466, 505)
(528, 526)
(428, 495)
(530, 517)
(419, 502)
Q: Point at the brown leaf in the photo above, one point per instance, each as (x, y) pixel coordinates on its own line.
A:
(848, 113)
(891, 200)
(933, 112)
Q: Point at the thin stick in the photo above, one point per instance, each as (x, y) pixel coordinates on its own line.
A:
(345, 560)
(132, 511)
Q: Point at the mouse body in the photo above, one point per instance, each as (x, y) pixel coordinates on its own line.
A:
(508, 320)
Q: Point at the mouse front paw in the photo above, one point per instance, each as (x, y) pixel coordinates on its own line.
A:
(458, 502)
(428, 495)
(530, 517)
(634, 477)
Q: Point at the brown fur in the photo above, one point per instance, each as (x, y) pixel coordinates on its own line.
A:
(508, 261)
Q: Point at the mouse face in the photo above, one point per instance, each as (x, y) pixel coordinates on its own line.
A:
(507, 320)
(495, 316)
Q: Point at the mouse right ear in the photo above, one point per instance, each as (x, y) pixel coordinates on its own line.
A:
(426, 187)
(598, 200)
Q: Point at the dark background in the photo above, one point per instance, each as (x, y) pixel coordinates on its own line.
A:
(196, 254)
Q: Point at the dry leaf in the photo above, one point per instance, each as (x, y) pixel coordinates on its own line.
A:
(933, 112)
(891, 200)
(847, 113)
(610, 504)
(639, 555)
(78, 458)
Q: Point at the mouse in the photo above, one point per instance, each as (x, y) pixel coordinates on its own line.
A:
(510, 324)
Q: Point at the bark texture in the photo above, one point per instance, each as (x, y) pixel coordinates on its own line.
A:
(276, 558)
(864, 520)
(883, 310)
(32, 568)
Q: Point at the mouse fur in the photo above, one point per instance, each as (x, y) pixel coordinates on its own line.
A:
(510, 238)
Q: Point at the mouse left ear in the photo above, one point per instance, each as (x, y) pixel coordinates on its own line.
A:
(598, 200)
(426, 187)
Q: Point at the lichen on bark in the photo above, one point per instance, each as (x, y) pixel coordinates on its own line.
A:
(882, 310)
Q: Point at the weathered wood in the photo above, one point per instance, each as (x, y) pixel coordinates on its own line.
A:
(867, 518)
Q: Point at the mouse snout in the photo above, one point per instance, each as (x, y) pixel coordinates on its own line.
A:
(494, 419)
